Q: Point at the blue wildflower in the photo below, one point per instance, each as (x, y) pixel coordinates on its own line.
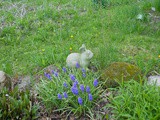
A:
(48, 76)
(56, 74)
(74, 90)
(95, 83)
(45, 74)
(65, 85)
(65, 95)
(72, 77)
(82, 88)
(75, 83)
(88, 89)
(80, 101)
(59, 96)
(90, 97)
(52, 71)
(83, 70)
(77, 65)
(84, 75)
(64, 69)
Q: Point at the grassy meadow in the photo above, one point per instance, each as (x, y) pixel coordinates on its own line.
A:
(37, 33)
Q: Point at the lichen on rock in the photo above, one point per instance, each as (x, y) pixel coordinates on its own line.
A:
(120, 71)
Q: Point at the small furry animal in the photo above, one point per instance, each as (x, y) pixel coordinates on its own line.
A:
(83, 58)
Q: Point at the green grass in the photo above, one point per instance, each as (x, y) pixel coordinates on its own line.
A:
(156, 4)
(136, 101)
(49, 24)
(35, 34)
(17, 105)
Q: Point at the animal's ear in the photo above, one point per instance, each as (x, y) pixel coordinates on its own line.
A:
(82, 48)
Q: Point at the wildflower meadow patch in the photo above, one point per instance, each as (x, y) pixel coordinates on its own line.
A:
(71, 91)
(38, 35)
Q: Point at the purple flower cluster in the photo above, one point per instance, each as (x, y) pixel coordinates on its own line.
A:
(65, 85)
(72, 77)
(83, 72)
(82, 88)
(59, 96)
(76, 87)
(64, 69)
(55, 73)
(75, 83)
(74, 90)
(88, 89)
(47, 75)
(80, 100)
(65, 95)
(95, 83)
(90, 97)
(77, 65)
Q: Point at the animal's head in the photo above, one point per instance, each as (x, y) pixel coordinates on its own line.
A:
(86, 54)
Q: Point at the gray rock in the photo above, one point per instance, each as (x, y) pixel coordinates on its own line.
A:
(24, 83)
(2, 79)
(2, 76)
(154, 80)
(5, 80)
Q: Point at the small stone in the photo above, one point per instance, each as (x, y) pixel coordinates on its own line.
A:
(25, 83)
(153, 9)
(2, 76)
(139, 16)
(5, 81)
(154, 80)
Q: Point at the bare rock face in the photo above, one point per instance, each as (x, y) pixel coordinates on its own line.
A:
(154, 80)
(5, 80)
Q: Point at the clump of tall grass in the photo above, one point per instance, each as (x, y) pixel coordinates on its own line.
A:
(136, 101)
(157, 5)
(17, 105)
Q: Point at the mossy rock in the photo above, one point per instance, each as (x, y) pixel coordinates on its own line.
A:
(119, 72)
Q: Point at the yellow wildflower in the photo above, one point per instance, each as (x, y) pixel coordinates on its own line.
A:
(70, 49)
(159, 56)
(71, 36)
